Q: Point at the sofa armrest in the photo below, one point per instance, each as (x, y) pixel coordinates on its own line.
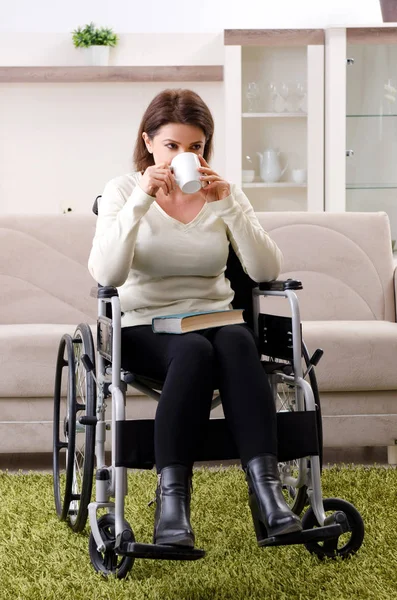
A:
(395, 289)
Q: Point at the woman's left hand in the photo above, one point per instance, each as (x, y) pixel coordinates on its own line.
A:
(215, 188)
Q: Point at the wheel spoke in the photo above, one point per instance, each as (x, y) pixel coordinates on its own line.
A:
(286, 396)
(81, 374)
(289, 470)
(81, 386)
(78, 469)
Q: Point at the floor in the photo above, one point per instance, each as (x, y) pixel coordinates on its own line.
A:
(43, 462)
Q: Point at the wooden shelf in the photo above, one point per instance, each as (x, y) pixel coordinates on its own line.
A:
(119, 74)
(371, 35)
(273, 37)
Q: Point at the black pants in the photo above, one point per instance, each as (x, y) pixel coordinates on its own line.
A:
(193, 365)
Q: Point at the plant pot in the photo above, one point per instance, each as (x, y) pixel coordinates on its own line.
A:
(97, 56)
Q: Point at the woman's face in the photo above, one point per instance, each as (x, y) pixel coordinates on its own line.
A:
(174, 138)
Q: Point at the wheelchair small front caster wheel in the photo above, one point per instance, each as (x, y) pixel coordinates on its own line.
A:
(347, 543)
(108, 562)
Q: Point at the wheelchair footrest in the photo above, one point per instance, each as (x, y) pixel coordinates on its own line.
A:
(158, 551)
(318, 534)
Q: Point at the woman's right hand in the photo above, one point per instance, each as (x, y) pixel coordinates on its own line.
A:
(156, 177)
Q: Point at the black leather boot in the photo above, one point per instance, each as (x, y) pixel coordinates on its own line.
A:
(172, 517)
(270, 512)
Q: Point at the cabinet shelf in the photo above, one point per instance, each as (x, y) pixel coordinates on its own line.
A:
(271, 115)
(371, 186)
(378, 116)
(278, 184)
(122, 74)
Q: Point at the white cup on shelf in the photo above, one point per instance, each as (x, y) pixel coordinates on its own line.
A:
(248, 175)
(299, 175)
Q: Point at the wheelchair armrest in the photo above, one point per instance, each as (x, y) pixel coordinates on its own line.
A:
(107, 291)
(279, 285)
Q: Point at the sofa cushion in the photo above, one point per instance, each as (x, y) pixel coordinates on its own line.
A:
(358, 355)
(344, 261)
(44, 276)
(29, 355)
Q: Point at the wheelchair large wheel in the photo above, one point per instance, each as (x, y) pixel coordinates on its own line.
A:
(63, 431)
(73, 493)
(348, 543)
(84, 452)
(108, 562)
(289, 471)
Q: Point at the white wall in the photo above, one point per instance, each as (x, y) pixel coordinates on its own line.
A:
(184, 15)
(60, 143)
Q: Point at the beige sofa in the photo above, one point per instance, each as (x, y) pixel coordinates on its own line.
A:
(348, 308)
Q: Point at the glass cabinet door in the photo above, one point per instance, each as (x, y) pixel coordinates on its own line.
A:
(371, 122)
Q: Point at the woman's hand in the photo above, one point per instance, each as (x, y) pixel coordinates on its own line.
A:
(215, 187)
(156, 177)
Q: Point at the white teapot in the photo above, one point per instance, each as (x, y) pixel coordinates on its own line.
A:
(270, 167)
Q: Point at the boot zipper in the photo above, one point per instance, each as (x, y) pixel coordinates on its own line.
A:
(158, 485)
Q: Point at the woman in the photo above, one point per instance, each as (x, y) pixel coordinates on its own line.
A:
(166, 252)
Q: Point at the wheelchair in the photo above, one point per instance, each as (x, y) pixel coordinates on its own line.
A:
(86, 379)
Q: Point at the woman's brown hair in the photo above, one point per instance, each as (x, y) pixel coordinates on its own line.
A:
(173, 106)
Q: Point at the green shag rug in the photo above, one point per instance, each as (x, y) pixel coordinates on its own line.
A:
(41, 558)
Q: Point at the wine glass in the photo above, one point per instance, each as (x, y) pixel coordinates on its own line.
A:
(302, 93)
(280, 92)
(283, 90)
(270, 96)
(294, 97)
(252, 95)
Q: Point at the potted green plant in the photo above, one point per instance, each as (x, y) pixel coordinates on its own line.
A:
(96, 43)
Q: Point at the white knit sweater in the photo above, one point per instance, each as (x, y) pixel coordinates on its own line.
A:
(162, 266)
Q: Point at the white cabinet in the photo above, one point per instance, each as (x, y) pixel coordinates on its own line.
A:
(361, 121)
(274, 117)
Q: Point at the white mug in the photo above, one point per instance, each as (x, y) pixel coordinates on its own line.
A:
(187, 176)
(299, 175)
